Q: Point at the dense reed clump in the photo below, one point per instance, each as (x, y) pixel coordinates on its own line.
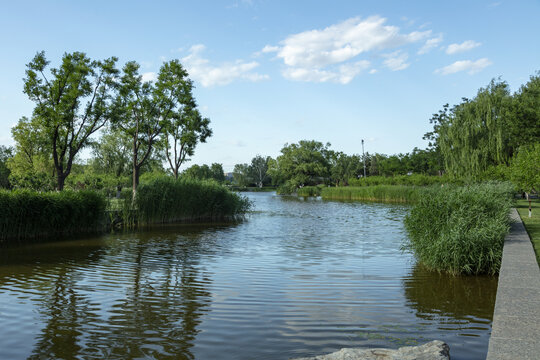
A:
(413, 179)
(165, 200)
(310, 190)
(28, 214)
(382, 193)
(460, 230)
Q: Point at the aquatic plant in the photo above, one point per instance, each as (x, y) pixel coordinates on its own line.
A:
(165, 200)
(460, 230)
(27, 214)
(382, 193)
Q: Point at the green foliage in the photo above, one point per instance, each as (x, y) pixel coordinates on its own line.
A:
(379, 193)
(72, 103)
(241, 175)
(27, 214)
(460, 230)
(205, 172)
(6, 153)
(310, 190)
(165, 200)
(305, 163)
(345, 167)
(524, 126)
(525, 168)
(414, 180)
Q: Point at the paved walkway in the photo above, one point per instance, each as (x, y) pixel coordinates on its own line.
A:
(516, 320)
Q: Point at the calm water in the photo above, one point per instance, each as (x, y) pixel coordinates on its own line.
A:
(298, 278)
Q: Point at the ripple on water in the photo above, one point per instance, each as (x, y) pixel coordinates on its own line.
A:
(298, 278)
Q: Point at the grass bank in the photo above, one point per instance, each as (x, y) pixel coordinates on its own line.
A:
(410, 180)
(166, 200)
(532, 224)
(27, 214)
(380, 193)
(460, 230)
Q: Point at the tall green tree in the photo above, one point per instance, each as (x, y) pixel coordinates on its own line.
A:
(473, 135)
(304, 163)
(346, 167)
(258, 170)
(144, 110)
(5, 154)
(242, 174)
(186, 129)
(524, 126)
(72, 102)
(525, 169)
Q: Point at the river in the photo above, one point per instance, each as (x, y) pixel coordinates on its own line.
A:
(298, 277)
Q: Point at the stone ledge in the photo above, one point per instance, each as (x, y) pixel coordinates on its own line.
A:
(434, 350)
(516, 318)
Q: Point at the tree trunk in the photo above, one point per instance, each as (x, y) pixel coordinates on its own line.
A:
(61, 178)
(136, 171)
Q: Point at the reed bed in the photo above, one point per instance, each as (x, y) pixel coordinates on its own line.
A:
(460, 230)
(411, 180)
(27, 214)
(166, 200)
(310, 191)
(378, 193)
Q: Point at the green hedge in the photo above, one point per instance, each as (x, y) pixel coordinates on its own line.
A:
(460, 230)
(165, 200)
(27, 214)
(382, 193)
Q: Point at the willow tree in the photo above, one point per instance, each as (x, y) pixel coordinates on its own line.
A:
(72, 103)
(144, 110)
(472, 136)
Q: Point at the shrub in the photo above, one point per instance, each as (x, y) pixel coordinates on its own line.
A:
(460, 229)
(27, 214)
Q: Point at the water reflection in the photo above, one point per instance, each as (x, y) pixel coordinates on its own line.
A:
(299, 278)
(460, 297)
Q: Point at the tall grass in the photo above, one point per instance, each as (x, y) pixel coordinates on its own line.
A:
(165, 200)
(382, 193)
(414, 180)
(27, 214)
(460, 230)
(310, 190)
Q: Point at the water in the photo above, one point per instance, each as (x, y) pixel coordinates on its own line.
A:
(298, 278)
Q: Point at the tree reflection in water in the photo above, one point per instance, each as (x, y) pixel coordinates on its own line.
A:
(430, 292)
(153, 312)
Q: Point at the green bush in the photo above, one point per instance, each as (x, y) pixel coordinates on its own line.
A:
(460, 230)
(165, 200)
(27, 214)
(383, 193)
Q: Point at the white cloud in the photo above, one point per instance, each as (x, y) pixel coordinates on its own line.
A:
(430, 44)
(373, 71)
(471, 67)
(464, 46)
(343, 74)
(396, 61)
(208, 75)
(341, 42)
(149, 76)
(330, 54)
(269, 48)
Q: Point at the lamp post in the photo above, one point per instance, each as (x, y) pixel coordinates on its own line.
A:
(364, 157)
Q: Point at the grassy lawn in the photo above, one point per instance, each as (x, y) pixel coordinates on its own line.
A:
(532, 224)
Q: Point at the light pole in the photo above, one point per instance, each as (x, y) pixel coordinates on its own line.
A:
(364, 157)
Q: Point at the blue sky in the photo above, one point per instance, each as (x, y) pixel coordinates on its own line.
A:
(274, 72)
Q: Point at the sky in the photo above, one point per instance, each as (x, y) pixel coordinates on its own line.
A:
(270, 72)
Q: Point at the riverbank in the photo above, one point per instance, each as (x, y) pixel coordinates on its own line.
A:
(516, 318)
(532, 224)
(31, 215)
